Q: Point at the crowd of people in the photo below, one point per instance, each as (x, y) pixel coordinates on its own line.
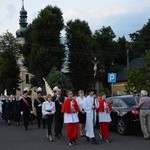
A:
(78, 113)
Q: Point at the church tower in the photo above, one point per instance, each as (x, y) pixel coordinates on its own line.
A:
(23, 25)
(20, 39)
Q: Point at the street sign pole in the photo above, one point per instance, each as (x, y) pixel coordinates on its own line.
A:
(112, 88)
(112, 80)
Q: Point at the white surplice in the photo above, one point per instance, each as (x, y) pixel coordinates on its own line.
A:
(104, 116)
(89, 102)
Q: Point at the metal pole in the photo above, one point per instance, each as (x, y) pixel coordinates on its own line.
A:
(112, 89)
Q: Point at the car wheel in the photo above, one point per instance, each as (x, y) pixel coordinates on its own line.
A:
(121, 127)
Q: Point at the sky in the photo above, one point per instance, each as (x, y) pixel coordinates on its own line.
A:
(124, 16)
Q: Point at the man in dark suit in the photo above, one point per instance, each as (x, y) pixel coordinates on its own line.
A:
(26, 107)
(58, 99)
(38, 105)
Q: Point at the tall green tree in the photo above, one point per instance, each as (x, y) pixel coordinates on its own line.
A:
(121, 57)
(139, 79)
(57, 78)
(43, 49)
(9, 69)
(140, 41)
(79, 43)
(106, 49)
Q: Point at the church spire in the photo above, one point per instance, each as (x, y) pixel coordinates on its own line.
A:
(22, 3)
(22, 21)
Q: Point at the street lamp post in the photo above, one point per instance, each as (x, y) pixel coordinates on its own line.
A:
(95, 62)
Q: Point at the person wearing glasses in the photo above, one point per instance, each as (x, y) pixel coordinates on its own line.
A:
(70, 109)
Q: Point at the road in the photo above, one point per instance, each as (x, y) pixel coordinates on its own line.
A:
(16, 138)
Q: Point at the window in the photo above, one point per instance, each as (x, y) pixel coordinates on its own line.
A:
(117, 102)
(27, 79)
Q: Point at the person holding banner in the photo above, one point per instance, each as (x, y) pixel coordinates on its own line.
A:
(38, 105)
(26, 107)
(70, 109)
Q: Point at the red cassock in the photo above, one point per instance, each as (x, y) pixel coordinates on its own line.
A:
(104, 109)
(71, 118)
(66, 107)
(101, 107)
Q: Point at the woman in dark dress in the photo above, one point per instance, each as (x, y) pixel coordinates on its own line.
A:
(82, 115)
(17, 114)
(6, 109)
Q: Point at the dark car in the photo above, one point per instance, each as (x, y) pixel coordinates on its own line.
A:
(125, 116)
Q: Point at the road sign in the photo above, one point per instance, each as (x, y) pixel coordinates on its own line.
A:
(111, 77)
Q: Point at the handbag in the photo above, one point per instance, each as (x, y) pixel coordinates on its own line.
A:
(44, 116)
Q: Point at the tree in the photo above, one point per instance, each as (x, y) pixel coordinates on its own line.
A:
(106, 49)
(43, 49)
(9, 69)
(79, 43)
(139, 79)
(56, 78)
(121, 57)
(140, 41)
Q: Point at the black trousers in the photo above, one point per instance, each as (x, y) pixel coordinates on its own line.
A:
(49, 124)
(26, 119)
(40, 120)
(59, 124)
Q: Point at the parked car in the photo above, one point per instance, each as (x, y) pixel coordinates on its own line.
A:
(125, 116)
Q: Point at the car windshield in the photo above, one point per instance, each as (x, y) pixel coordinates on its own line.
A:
(129, 101)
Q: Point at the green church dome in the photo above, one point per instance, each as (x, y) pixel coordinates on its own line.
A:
(21, 32)
(23, 22)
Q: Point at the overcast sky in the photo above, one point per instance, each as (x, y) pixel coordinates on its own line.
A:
(124, 16)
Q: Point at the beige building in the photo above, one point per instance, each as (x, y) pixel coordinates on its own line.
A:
(119, 86)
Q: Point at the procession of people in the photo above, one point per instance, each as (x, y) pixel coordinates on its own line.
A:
(79, 114)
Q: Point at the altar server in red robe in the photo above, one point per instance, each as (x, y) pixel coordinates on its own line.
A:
(104, 117)
(70, 109)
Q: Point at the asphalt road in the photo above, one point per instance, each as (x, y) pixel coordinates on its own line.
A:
(16, 138)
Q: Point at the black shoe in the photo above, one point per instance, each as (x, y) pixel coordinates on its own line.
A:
(107, 140)
(94, 141)
(74, 141)
(87, 139)
(26, 129)
(71, 143)
(44, 127)
(60, 134)
(57, 136)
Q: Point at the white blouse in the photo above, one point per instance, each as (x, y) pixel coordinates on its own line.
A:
(80, 102)
(47, 107)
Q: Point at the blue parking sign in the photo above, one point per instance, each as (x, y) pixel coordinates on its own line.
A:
(111, 77)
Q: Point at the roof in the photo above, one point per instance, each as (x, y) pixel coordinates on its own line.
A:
(135, 63)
